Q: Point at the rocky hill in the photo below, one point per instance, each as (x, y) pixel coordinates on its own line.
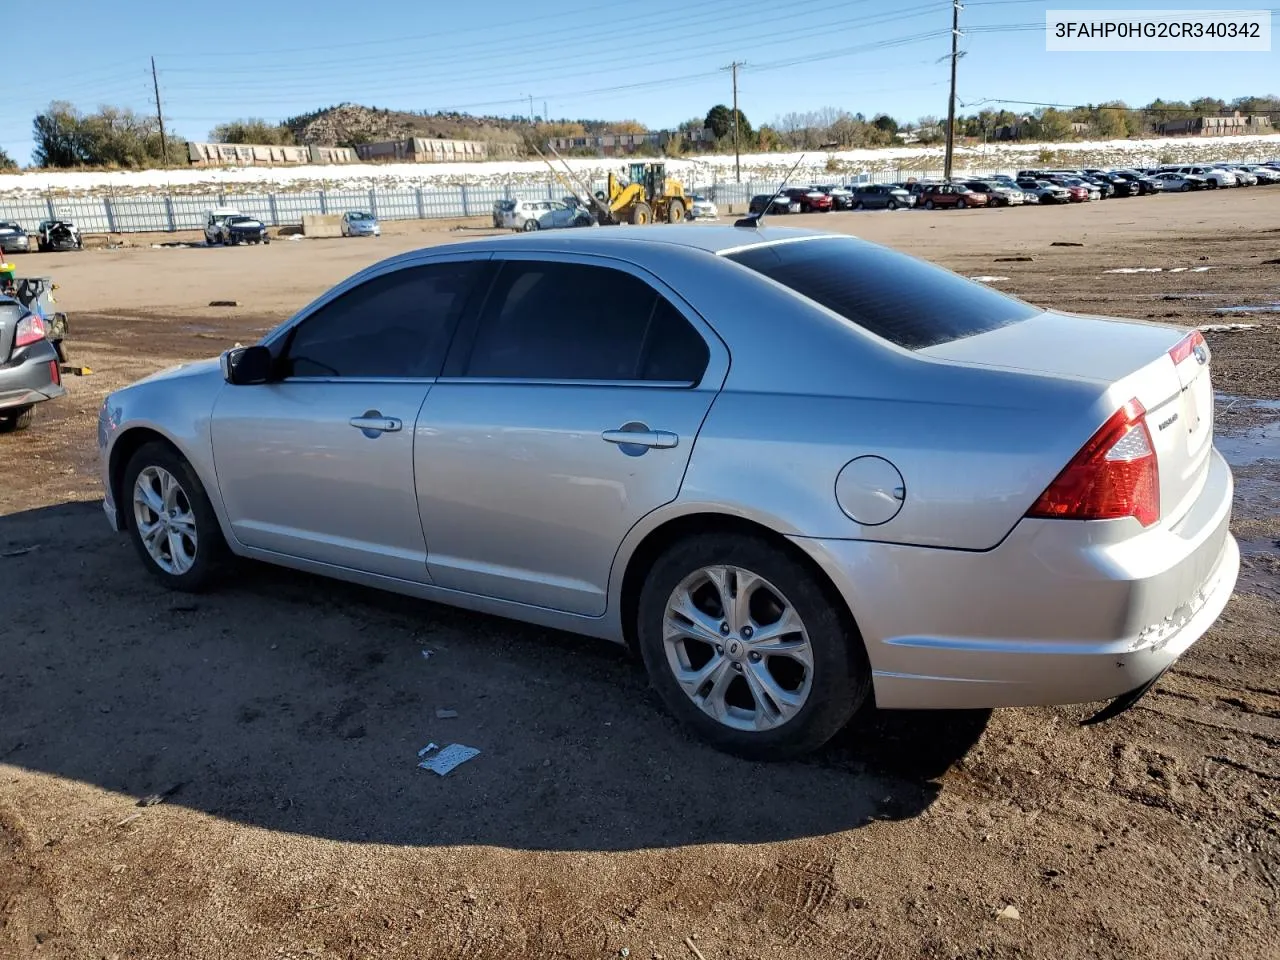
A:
(348, 124)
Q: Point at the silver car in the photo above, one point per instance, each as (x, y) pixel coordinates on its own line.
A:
(357, 223)
(790, 469)
(13, 238)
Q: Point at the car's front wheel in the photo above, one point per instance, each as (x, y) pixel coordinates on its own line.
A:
(747, 648)
(170, 519)
(530, 226)
(928, 204)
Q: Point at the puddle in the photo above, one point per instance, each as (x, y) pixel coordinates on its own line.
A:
(1260, 568)
(1231, 400)
(1250, 446)
(1192, 296)
(1259, 308)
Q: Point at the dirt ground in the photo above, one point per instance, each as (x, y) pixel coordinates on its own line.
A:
(281, 715)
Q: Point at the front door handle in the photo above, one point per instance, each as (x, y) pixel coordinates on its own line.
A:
(663, 439)
(372, 423)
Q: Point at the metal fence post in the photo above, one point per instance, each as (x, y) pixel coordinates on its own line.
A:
(466, 208)
(110, 209)
(422, 209)
(48, 203)
(168, 211)
(275, 216)
(373, 203)
(324, 202)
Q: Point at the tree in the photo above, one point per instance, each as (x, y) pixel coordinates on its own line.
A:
(720, 121)
(885, 123)
(630, 126)
(112, 137)
(1113, 121)
(252, 130)
(6, 161)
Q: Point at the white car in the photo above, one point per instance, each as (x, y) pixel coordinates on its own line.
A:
(1264, 174)
(1214, 176)
(530, 215)
(700, 208)
(1180, 182)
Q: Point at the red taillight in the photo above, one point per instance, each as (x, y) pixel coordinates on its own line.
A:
(1114, 475)
(30, 330)
(1188, 345)
(54, 373)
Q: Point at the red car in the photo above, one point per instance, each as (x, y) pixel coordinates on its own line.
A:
(951, 195)
(809, 200)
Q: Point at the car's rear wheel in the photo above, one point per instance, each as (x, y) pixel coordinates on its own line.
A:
(531, 225)
(17, 419)
(745, 646)
(1184, 188)
(857, 205)
(960, 204)
(170, 519)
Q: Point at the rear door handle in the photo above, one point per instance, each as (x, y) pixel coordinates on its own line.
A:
(663, 439)
(371, 423)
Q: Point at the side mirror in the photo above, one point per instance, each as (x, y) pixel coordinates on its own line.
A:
(246, 365)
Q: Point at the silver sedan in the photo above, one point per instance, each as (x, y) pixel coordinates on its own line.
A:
(789, 469)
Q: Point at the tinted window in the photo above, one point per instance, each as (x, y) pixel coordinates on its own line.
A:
(568, 321)
(904, 300)
(395, 325)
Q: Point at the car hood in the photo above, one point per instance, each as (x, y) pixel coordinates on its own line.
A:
(198, 368)
(247, 225)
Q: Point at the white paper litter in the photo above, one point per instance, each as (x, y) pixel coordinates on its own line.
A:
(988, 279)
(1177, 269)
(448, 758)
(1135, 270)
(428, 654)
(1225, 327)
(1199, 269)
(427, 749)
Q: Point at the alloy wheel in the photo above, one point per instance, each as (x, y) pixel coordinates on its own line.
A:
(737, 648)
(165, 521)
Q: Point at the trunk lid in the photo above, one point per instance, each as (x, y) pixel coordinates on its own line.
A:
(1125, 359)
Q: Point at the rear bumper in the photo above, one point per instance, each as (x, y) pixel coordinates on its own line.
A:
(1061, 612)
(30, 378)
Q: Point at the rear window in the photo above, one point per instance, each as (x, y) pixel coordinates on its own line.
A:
(904, 300)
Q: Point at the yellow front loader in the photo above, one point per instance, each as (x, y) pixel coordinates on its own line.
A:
(648, 195)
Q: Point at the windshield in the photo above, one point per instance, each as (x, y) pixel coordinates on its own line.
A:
(240, 220)
(906, 301)
(9, 225)
(359, 216)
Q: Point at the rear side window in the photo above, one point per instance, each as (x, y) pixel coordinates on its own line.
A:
(904, 300)
(547, 320)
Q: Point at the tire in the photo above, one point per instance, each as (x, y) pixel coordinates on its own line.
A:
(960, 204)
(891, 205)
(531, 225)
(195, 572)
(675, 211)
(857, 205)
(641, 214)
(1184, 188)
(834, 686)
(928, 204)
(11, 421)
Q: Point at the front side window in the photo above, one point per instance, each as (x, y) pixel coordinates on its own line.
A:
(572, 321)
(395, 325)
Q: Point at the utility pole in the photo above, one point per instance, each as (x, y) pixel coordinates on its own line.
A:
(164, 141)
(531, 109)
(546, 117)
(951, 102)
(737, 150)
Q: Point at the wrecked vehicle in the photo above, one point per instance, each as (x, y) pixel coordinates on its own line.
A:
(58, 235)
(30, 371)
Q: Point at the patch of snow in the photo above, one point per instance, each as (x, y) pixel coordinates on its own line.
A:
(818, 165)
(988, 279)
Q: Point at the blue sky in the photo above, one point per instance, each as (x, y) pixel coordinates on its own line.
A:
(656, 62)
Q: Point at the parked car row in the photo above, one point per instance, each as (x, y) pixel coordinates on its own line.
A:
(1027, 187)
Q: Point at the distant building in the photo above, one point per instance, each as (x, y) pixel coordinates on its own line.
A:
(250, 154)
(614, 144)
(1081, 129)
(429, 150)
(1215, 126)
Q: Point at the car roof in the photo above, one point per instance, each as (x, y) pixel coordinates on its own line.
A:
(626, 242)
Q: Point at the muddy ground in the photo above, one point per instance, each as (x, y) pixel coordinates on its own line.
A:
(281, 715)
